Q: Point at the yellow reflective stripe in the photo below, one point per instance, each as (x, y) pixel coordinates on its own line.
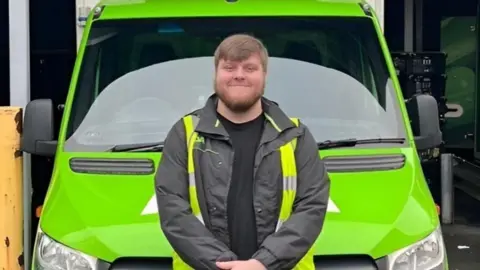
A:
(191, 137)
(194, 202)
(272, 122)
(192, 190)
(178, 264)
(188, 123)
(289, 168)
(287, 154)
(191, 172)
(295, 121)
(191, 179)
(306, 263)
(289, 172)
(191, 143)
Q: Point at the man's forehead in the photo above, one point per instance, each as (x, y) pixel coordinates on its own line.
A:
(252, 59)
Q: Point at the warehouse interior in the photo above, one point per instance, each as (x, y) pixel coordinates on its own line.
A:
(440, 25)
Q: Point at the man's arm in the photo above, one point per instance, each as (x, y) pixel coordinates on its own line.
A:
(192, 241)
(285, 248)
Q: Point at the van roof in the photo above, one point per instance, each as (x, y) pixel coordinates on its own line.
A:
(122, 9)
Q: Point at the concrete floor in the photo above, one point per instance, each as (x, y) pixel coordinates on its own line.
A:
(463, 246)
(463, 237)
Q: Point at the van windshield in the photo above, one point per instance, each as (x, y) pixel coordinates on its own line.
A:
(138, 77)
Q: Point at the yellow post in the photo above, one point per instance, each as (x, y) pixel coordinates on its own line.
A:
(11, 189)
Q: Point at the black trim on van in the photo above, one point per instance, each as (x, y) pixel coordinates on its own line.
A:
(326, 262)
(138, 166)
(340, 164)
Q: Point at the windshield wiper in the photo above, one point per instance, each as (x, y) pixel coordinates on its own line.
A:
(158, 146)
(138, 147)
(352, 142)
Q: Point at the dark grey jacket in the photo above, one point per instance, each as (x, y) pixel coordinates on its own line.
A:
(201, 246)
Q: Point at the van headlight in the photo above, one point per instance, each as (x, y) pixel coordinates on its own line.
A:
(427, 254)
(51, 255)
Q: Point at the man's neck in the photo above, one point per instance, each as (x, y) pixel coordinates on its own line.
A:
(239, 118)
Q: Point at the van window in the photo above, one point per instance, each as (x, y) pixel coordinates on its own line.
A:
(138, 77)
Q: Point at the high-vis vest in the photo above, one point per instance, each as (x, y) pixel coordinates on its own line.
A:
(289, 171)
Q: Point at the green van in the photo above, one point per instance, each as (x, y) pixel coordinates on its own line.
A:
(143, 64)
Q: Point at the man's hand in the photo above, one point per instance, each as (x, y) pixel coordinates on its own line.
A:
(241, 265)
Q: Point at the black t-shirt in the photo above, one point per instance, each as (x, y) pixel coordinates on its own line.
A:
(245, 138)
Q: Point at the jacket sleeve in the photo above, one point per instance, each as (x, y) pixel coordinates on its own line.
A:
(192, 241)
(285, 248)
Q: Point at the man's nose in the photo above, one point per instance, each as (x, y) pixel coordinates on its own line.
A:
(239, 73)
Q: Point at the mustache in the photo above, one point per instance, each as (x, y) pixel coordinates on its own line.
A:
(239, 84)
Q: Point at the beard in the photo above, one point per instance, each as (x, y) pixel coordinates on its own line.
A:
(238, 105)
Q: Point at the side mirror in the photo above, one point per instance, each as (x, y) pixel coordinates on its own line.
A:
(38, 128)
(423, 112)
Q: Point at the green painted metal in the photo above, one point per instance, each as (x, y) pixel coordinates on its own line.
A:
(100, 215)
(380, 211)
(118, 9)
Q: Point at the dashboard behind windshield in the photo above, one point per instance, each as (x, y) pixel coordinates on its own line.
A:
(138, 77)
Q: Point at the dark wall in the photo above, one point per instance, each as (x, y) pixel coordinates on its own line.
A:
(53, 51)
(432, 16)
(52, 44)
(4, 60)
(433, 11)
(394, 25)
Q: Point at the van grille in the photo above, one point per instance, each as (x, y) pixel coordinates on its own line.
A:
(364, 163)
(339, 262)
(112, 166)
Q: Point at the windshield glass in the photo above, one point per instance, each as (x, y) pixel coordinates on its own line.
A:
(138, 77)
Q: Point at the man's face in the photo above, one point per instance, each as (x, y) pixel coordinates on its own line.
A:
(240, 84)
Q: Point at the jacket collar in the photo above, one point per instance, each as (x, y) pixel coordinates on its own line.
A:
(209, 123)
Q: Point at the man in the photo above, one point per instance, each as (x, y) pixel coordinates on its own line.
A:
(221, 209)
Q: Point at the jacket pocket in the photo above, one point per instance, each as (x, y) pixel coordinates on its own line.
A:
(216, 198)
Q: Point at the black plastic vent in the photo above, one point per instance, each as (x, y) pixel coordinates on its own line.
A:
(364, 163)
(112, 166)
(333, 262)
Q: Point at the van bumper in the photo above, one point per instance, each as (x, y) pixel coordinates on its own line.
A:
(321, 262)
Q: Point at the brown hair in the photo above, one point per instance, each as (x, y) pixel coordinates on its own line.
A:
(239, 47)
